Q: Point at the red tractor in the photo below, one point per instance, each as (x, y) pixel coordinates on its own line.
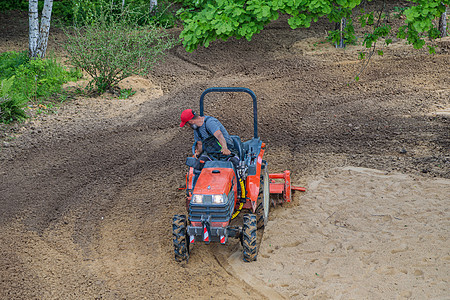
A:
(223, 190)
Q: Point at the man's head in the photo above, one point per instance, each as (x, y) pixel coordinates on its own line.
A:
(188, 116)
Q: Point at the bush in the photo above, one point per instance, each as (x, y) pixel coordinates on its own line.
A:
(62, 10)
(85, 11)
(41, 78)
(6, 5)
(10, 109)
(112, 46)
(163, 15)
(10, 61)
(22, 80)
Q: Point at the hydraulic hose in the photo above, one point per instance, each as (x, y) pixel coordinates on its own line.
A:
(236, 213)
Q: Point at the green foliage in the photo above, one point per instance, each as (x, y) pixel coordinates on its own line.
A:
(399, 11)
(61, 10)
(431, 49)
(23, 80)
(366, 19)
(111, 46)
(6, 5)
(348, 35)
(163, 15)
(420, 19)
(378, 32)
(87, 11)
(41, 78)
(208, 20)
(126, 93)
(10, 61)
(6, 86)
(79, 11)
(10, 109)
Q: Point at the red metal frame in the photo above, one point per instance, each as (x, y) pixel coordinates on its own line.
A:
(285, 187)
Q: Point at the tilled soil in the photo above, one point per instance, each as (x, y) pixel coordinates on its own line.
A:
(88, 194)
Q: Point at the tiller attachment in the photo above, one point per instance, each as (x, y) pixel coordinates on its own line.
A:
(283, 188)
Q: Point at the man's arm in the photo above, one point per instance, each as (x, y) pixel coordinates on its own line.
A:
(218, 134)
(198, 148)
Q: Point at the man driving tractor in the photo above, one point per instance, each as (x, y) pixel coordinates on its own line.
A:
(211, 139)
(226, 176)
(210, 136)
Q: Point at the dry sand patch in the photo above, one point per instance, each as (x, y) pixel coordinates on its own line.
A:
(359, 234)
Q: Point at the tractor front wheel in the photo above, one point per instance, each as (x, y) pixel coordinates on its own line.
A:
(249, 238)
(180, 243)
(260, 215)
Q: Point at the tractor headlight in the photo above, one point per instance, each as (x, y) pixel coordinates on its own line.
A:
(219, 199)
(198, 199)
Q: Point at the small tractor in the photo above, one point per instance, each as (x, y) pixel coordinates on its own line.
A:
(223, 190)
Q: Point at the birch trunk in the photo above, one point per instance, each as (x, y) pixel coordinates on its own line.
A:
(153, 4)
(443, 24)
(341, 26)
(45, 28)
(33, 27)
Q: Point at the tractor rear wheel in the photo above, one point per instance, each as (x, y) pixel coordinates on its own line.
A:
(266, 195)
(249, 238)
(180, 243)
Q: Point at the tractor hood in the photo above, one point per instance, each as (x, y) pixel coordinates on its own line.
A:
(214, 180)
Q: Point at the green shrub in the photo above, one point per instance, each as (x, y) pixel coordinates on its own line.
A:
(6, 5)
(86, 11)
(62, 11)
(22, 80)
(41, 78)
(163, 15)
(9, 61)
(112, 47)
(126, 93)
(10, 109)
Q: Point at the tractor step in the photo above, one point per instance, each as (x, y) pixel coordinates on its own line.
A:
(284, 188)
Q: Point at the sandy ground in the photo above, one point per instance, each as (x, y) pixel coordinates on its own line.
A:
(88, 193)
(358, 234)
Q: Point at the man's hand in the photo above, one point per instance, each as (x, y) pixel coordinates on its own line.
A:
(226, 151)
(198, 149)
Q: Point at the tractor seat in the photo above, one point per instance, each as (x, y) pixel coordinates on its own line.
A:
(238, 146)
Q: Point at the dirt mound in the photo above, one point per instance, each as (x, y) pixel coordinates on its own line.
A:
(88, 193)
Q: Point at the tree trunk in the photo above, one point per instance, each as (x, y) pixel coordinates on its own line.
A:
(45, 28)
(341, 26)
(153, 4)
(33, 27)
(443, 24)
(38, 37)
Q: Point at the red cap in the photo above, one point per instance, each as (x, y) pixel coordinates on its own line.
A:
(186, 115)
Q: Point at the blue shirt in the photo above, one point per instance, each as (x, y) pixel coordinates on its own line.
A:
(209, 126)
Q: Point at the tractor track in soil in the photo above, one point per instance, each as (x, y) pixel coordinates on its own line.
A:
(88, 194)
(183, 58)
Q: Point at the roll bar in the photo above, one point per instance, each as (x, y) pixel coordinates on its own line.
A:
(234, 89)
